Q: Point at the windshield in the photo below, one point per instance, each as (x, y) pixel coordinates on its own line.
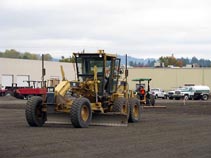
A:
(86, 66)
(185, 89)
(107, 70)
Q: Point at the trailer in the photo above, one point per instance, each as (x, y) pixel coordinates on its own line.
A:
(32, 89)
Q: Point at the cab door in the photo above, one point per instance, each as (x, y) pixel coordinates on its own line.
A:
(113, 80)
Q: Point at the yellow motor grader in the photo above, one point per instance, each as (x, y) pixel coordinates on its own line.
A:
(97, 97)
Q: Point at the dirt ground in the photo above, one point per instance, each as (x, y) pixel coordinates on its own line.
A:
(179, 131)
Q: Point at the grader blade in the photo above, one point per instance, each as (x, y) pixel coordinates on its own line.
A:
(109, 119)
(154, 107)
(98, 119)
(58, 118)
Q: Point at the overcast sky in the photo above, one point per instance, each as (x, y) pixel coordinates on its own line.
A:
(140, 28)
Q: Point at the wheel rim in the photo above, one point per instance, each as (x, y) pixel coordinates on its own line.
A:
(84, 113)
(205, 97)
(136, 111)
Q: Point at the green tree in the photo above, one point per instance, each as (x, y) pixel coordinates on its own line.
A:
(12, 53)
(26, 55)
(48, 57)
(171, 61)
(68, 60)
(35, 56)
(1, 54)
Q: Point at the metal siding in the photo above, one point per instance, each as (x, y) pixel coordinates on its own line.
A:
(6, 80)
(21, 80)
(170, 78)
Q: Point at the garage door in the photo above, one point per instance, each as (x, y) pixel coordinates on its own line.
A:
(7, 80)
(21, 80)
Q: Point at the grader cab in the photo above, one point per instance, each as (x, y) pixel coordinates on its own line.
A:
(97, 97)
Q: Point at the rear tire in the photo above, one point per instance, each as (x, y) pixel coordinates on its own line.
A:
(9, 93)
(205, 97)
(135, 110)
(151, 100)
(81, 113)
(34, 114)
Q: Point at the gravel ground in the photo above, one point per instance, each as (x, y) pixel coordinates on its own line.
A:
(179, 131)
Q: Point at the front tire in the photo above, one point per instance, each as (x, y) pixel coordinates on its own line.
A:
(120, 106)
(81, 113)
(135, 110)
(186, 97)
(34, 114)
(171, 98)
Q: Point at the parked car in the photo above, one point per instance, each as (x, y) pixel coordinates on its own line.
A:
(170, 94)
(158, 93)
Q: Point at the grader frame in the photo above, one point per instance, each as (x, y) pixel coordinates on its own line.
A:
(97, 97)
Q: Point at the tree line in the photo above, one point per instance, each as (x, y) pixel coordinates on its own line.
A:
(171, 60)
(167, 60)
(180, 62)
(69, 60)
(12, 53)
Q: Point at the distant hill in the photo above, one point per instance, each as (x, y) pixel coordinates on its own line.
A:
(139, 61)
(55, 59)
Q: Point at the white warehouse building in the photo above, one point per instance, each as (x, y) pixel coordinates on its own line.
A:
(18, 70)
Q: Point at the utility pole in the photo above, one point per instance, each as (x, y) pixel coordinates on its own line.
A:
(43, 71)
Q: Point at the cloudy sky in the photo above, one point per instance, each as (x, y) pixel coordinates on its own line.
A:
(140, 28)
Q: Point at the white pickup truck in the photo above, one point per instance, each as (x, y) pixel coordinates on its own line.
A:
(192, 92)
(158, 93)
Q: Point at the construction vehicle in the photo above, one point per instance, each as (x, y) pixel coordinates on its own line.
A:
(97, 97)
(143, 93)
